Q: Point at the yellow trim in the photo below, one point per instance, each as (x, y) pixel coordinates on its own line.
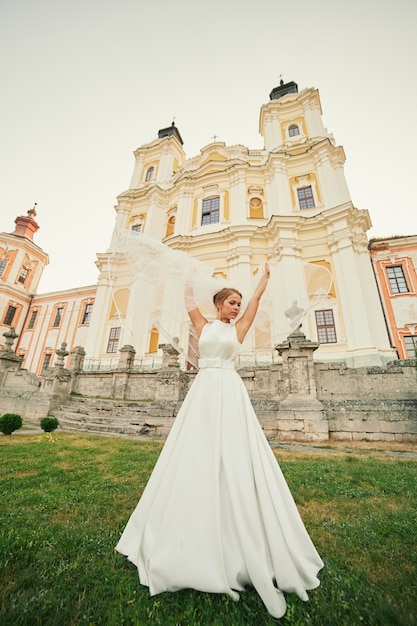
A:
(226, 207)
(194, 215)
(213, 156)
(313, 178)
(328, 267)
(256, 210)
(153, 340)
(170, 226)
(119, 303)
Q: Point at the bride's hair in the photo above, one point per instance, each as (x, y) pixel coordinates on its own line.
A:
(224, 293)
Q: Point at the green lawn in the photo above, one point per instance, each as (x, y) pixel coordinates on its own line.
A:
(65, 503)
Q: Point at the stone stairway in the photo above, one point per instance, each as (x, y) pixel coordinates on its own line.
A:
(117, 417)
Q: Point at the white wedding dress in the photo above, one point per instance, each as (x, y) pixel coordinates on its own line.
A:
(217, 514)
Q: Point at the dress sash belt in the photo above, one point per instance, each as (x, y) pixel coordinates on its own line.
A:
(216, 362)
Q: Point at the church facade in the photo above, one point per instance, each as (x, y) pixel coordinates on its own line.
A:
(233, 208)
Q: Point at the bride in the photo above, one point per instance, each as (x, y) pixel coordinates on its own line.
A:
(217, 514)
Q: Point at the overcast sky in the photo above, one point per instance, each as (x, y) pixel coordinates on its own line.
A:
(85, 82)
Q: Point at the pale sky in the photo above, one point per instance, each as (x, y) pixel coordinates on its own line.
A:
(86, 82)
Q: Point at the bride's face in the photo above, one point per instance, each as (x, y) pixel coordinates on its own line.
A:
(230, 307)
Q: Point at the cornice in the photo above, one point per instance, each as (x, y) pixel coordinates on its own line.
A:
(25, 244)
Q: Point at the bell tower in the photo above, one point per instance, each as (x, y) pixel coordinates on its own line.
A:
(21, 265)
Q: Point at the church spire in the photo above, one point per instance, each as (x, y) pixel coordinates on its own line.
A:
(283, 89)
(171, 131)
(26, 226)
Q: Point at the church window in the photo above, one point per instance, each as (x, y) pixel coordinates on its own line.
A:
(326, 330)
(114, 336)
(305, 198)
(210, 211)
(87, 314)
(137, 228)
(396, 279)
(8, 318)
(411, 345)
(46, 361)
(149, 173)
(293, 130)
(32, 320)
(58, 317)
(2, 266)
(23, 275)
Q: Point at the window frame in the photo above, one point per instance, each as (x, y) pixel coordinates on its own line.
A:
(88, 310)
(395, 281)
(113, 340)
(23, 275)
(149, 173)
(414, 348)
(306, 199)
(32, 319)
(46, 363)
(293, 130)
(59, 314)
(208, 209)
(9, 315)
(3, 265)
(327, 329)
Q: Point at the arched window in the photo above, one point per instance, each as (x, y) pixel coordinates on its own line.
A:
(170, 225)
(293, 130)
(149, 173)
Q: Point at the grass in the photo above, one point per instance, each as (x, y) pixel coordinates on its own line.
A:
(65, 503)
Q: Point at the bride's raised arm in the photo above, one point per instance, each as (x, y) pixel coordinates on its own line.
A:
(197, 318)
(245, 322)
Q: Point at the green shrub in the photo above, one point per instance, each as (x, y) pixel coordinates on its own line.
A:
(48, 424)
(10, 422)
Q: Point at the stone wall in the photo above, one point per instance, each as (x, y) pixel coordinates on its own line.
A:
(297, 399)
(374, 403)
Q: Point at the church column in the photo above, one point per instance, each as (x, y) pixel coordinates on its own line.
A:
(287, 282)
(378, 329)
(137, 171)
(138, 315)
(99, 316)
(238, 200)
(239, 263)
(173, 312)
(120, 228)
(183, 219)
(279, 193)
(361, 348)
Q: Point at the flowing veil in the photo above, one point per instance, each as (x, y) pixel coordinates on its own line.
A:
(169, 282)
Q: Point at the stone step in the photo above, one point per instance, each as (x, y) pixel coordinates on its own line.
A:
(97, 415)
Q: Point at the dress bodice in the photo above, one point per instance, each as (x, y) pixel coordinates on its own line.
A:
(219, 340)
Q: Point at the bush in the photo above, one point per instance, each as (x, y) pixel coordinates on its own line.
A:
(48, 424)
(10, 422)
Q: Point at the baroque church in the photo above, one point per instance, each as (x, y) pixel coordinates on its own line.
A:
(231, 208)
